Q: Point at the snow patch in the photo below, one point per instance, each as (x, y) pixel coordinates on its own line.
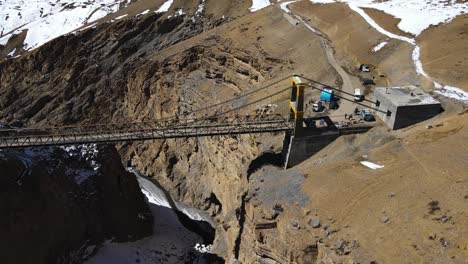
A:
(153, 194)
(87, 152)
(200, 8)
(4, 40)
(376, 26)
(165, 7)
(144, 12)
(392, 5)
(178, 12)
(379, 46)
(156, 196)
(284, 5)
(90, 26)
(371, 165)
(454, 93)
(12, 53)
(46, 20)
(259, 4)
(203, 248)
(415, 15)
(120, 17)
(416, 55)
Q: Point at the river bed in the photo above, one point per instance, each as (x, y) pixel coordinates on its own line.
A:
(179, 236)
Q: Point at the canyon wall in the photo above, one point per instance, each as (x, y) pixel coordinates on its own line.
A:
(150, 67)
(59, 204)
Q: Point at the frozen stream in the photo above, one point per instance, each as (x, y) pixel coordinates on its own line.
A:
(172, 240)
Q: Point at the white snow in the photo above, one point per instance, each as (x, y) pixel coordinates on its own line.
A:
(88, 152)
(90, 26)
(203, 248)
(284, 5)
(153, 193)
(259, 4)
(177, 13)
(144, 12)
(120, 17)
(415, 15)
(12, 53)
(379, 46)
(376, 26)
(200, 8)
(417, 61)
(371, 165)
(46, 20)
(454, 93)
(165, 6)
(156, 196)
(4, 40)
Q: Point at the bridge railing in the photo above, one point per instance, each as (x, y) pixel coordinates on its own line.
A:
(149, 130)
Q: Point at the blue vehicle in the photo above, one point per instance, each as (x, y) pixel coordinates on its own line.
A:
(367, 116)
(327, 95)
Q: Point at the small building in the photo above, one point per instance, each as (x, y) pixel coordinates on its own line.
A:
(327, 94)
(405, 106)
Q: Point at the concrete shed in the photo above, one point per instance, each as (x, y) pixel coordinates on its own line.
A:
(405, 106)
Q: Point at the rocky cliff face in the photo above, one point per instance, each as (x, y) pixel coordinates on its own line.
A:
(82, 77)
(114, 76)
(148, 68)
(58, 204)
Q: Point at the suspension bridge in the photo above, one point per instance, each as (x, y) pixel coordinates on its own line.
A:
(228, 117)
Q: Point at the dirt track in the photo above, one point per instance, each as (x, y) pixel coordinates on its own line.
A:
(349, 82)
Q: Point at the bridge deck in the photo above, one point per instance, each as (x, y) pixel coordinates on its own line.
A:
(161, 129)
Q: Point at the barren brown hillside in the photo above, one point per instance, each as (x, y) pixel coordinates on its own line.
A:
(328, 209)
(445, 52)
(353, 40)
(413, 210)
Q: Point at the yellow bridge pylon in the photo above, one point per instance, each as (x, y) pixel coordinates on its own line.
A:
(296, 105)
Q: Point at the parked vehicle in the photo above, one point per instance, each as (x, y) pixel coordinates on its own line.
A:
(367, 116)
(317, 107)
(368, 82)
(364, 68)
(357, 95)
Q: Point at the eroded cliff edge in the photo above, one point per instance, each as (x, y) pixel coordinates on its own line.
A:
(59, 204)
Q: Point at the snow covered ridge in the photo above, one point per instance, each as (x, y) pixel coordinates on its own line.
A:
(45, 20)
(415, 15)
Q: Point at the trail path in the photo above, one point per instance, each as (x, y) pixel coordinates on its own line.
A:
(349, 82)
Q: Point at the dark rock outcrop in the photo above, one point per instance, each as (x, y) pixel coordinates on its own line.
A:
(58, 204)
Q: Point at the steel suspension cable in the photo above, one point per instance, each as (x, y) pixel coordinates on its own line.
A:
(254, 102)
(333, 88)
(238, 97)
(346, 99)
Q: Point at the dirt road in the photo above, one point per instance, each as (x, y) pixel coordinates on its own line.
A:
(349, 82)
